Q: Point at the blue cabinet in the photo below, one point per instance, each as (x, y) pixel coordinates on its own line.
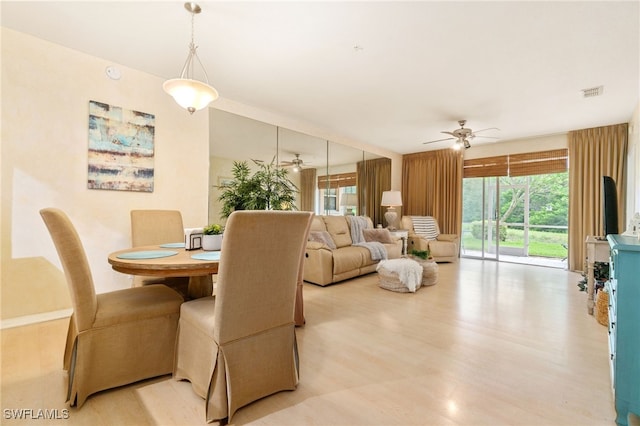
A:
(624, 324)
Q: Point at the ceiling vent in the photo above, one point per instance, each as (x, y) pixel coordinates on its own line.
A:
(592, 91)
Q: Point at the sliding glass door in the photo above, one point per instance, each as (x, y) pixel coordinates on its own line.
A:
(479, 218)
(517, 219)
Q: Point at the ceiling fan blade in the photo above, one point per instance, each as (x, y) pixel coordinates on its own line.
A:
(450, 133)
(488, 128)
(439, 140)
(485, 137)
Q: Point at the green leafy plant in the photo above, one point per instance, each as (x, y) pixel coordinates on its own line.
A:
(422, 254)
(213, 229)
(269, 188)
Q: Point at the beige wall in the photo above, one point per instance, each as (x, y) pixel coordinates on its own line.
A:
(45, 96)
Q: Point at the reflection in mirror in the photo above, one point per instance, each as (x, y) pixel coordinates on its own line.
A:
(324, 172)
(339, 181)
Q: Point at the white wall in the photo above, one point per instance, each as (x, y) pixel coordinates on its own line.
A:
(46, 90)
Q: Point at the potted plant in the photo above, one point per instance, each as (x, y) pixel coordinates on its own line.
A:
(269, 188)
(421, 254)
(212, 238)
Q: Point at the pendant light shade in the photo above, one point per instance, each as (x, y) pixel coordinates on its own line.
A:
(192, 95)
(189, 93)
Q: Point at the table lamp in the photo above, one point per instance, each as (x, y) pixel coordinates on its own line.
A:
(349, 201)
(391, 199)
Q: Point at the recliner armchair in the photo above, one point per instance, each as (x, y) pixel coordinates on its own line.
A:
(424, 234)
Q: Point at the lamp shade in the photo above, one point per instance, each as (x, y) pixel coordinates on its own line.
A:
(349, 200)
(391, 198)
(192, 95)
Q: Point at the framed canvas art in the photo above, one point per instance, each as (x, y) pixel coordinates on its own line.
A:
(121, 148)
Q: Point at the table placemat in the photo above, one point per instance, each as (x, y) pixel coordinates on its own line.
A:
(172, 245)
(147, 254)
(211, 255)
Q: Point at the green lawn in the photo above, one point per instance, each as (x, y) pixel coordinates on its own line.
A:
(541, 243)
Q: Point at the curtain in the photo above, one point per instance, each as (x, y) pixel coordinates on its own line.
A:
(373, 177)
(593, 153)
(307, 190)
(432, 186)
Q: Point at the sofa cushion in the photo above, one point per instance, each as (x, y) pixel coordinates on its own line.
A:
(317, 224)
(378, 235)
(349, 259)
(322, 237)
(339, 230)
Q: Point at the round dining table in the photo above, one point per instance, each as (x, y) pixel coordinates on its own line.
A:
(161, 261)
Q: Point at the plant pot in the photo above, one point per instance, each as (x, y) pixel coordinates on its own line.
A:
(212, 242)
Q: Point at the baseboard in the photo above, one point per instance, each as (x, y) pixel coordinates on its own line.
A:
(35, 318)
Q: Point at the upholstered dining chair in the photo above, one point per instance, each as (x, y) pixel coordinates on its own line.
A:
(240, 345)
(155, 227)
(114, 338)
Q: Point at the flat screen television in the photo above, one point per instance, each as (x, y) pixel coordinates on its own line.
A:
(609, 205)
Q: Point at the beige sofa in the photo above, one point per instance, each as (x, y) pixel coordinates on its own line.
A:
(443, 247)
(325, 265)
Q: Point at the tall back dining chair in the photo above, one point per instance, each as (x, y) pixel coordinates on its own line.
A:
(240, 345)
(114, 338)
(156, 227)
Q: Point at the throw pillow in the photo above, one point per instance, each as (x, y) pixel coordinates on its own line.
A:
(425, 226)
(380, 235)
(322, 237)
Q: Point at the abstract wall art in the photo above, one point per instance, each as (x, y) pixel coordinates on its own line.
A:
(121, 148)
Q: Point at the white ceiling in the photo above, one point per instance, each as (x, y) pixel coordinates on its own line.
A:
(391, 74)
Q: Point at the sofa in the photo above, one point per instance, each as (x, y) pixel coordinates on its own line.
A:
(330, 255)
(424, 234)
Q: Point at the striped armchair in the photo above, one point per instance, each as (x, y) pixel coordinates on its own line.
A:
(424, 234)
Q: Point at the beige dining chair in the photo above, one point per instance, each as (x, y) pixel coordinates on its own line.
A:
(114, 338)
(240, 345)
(156, 227)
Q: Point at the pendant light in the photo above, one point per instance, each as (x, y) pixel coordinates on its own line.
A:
(189, 93)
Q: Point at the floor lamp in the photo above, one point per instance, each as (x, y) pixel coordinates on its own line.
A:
(391, 199)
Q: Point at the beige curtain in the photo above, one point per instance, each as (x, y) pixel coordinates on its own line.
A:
(308, 190)
(593, 153)
(432, 186)
(373, 177)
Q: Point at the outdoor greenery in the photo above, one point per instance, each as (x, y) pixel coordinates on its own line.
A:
(269, 188)
(548, 199)
(548, 206)
(541, 243)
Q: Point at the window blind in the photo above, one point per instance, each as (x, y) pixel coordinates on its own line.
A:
(530, 163)
(485, 167)
(538, 163)
(337, 181)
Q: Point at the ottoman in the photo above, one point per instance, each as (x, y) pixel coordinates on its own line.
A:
(401, 275)
(429, 270)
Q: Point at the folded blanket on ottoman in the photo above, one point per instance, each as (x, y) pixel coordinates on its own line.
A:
(409, 271)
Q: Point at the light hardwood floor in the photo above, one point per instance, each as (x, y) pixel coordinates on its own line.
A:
(490, 344)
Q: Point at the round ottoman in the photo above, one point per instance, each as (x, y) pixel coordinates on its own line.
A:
(400, 275)
(429, 270)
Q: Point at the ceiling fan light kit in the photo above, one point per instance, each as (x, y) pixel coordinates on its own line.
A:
(189, 93)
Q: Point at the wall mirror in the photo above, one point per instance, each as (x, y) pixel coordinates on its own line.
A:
(324, 171)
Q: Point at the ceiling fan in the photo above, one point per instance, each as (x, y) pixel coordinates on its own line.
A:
(463, 136)
(296, 163)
